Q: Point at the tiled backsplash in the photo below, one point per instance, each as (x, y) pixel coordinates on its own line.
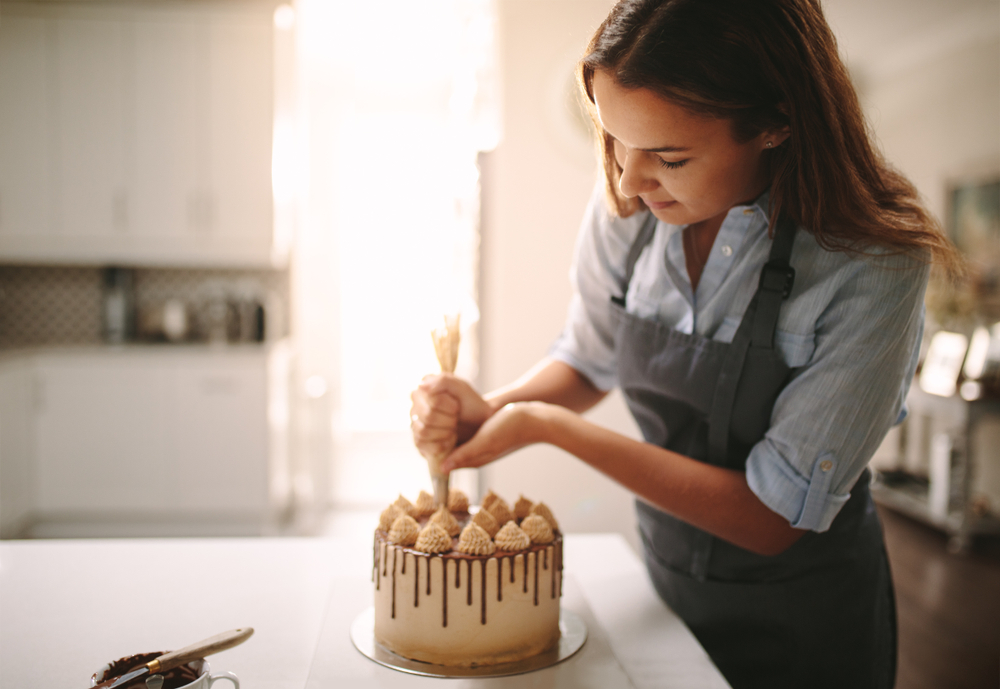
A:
(59, 305)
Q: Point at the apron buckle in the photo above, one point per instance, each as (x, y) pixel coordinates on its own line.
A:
(777, 276)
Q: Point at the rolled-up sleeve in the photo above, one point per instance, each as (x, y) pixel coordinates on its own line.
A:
(833, 414)
(598, 273)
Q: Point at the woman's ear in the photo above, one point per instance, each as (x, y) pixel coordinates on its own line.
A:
(773, 138)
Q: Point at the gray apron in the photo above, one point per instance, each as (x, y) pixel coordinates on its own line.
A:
(820, 614)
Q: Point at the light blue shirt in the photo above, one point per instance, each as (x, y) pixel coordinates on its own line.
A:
(851, 329)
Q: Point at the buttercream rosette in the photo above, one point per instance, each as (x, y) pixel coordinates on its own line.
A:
(522, 507)
(538, 529)
(404, 530)
(433, 539)
(512, 538)
(446, 520)
(487, 522)
(500, 511)
(425, 504)
(475, 541)
(406, 506)
(388, 516)
(458, 501)
(542, 510)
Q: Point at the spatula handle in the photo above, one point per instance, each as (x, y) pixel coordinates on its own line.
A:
(205, 647)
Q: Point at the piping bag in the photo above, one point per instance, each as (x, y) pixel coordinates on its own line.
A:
(446, 342)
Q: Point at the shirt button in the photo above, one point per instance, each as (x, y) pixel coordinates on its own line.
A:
(826, 465)
(727, 250)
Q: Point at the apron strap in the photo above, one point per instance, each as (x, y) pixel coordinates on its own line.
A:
(645, 235)
(756, 329)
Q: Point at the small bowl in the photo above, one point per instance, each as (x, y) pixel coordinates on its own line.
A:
(199, 666)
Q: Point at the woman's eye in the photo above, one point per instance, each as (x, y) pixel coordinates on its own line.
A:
(673, 164)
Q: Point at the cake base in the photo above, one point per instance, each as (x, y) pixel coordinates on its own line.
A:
(573, 634)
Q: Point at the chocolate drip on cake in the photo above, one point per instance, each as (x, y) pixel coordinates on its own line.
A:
(385, 561)
(458, 574)
(394, 551)
(499, 578)
(416, 579)
(376, 577)
(536, 578)
(511, 558)
(560, 555)
(545, 559)
(482, 595)
(525, 558)
(444, 591)
(554, 557)
(469, 602)
(403, 571)
(428, 561)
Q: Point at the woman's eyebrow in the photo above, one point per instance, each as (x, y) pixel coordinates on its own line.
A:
(667, 149)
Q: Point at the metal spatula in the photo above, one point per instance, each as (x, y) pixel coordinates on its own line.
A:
(205, 647)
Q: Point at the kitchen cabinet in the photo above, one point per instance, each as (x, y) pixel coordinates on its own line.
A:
(150, 440)
(138, 135)
(25, 174)
(18, 486)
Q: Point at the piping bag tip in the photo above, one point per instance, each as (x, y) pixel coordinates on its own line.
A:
(440, 483)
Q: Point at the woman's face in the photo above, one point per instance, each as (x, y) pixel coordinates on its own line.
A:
(686, 168)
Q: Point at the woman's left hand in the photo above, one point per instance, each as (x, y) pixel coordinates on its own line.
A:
(512, 427)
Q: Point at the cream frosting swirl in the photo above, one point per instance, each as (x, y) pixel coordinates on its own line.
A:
(542, 510)
(404, 530)
(458, 501)
(538, 529)
(446, 520)
(388, 516)
(512, 537)
(425, 504)
(475, 541)
(433, 539)
(405, 506)
(522, 508)
(489, 499)
(487, 522)
(500, 511)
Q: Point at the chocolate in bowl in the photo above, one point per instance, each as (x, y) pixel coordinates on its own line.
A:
(174, 678)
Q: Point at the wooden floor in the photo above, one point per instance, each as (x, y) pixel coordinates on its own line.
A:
(948, 608)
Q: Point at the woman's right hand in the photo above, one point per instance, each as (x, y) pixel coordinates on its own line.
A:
(445, 412)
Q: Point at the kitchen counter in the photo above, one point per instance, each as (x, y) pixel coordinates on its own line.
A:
(68, 607)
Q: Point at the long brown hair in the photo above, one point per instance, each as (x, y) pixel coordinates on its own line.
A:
(761, 65)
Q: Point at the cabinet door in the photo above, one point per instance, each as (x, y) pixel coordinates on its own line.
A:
(25, 187)
(104, 436)
(222, 435)
(17, 476)
(169, 67)
(240, 123)
(90, 127)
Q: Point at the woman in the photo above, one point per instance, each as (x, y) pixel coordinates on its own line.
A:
(752, 277)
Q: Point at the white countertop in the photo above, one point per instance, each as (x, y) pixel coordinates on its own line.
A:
(68, 607)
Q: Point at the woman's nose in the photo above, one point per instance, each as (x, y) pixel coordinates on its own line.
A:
(636, 175)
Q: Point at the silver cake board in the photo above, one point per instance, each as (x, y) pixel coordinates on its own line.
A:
(337, 663)
(573, 634)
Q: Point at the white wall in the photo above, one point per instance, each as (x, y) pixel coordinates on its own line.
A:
(536, 185)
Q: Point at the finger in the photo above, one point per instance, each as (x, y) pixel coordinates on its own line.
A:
(426, 434)
(474, 453)
(441, 410)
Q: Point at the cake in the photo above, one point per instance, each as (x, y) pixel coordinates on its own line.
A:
(459, 588)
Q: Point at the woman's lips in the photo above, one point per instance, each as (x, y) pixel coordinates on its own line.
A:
(658, 205)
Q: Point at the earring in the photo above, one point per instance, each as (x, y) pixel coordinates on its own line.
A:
(768, 145)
